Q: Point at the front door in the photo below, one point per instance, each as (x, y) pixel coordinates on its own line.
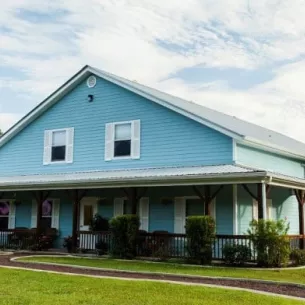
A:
(88, 208)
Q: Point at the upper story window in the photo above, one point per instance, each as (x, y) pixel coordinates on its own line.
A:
(59, 142)
(58, 146)
(122, 140)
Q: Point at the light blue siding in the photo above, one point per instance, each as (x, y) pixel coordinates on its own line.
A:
(167, 138)
(269, 162)
(284, 206)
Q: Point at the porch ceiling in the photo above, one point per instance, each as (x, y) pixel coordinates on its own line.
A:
(218, 174)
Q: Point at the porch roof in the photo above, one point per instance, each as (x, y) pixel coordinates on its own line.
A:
(214, 174)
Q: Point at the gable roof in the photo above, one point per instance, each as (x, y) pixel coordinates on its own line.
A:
(242, 131)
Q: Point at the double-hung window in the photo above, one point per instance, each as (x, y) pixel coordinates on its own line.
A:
(59, 142)
(7, 214)
(122, 140)
(58, 146)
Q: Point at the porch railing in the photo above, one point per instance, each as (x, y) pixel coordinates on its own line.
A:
(17, 239)
(169, 245)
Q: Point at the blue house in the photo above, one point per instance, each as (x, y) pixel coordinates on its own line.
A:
(104, 144)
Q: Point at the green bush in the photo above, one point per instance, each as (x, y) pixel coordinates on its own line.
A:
(298, 257)
(124, 235)
(236, 254)
(270, 242)
(200, 232)
(99, 223)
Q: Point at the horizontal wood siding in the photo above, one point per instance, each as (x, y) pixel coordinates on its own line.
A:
(284, 206)
(167, 138)
(269, 162)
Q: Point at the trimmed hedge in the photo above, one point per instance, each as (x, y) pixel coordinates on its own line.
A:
(298, 257)
(236, 254)
(200, 232)
(124, 232)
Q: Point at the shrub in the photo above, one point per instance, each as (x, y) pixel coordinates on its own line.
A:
(298, 257)
(200, 232)
(236, 254)
(68, 243)
(270, 242)
(124, 232)
(98, 223)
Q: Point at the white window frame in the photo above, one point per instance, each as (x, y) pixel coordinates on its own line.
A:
(68, 131)
(11, 214)
(114, 126)
(52, 134)
(55, 213)
(135, 142)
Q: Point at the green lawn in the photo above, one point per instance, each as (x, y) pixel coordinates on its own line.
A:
(296, 276)
(35, 288)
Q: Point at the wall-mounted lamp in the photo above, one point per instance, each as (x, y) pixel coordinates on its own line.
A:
(90, 98)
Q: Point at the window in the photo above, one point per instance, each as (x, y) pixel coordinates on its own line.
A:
(122, 140)
(47, 211)
(59, 145)
(4, 214)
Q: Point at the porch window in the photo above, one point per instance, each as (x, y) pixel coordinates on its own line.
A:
(122, 140)
(46, 218)
(59, 140)
(4, 214)
(194, 207)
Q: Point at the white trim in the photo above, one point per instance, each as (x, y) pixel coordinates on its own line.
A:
(235, 210)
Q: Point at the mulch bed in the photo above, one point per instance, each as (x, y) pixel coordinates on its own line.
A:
(284, 289)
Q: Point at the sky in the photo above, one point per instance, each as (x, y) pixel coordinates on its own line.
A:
(242, 57)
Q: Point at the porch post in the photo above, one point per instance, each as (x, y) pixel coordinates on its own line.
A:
(261, 200)
(39, 201)
(76, 203)
(300, 194)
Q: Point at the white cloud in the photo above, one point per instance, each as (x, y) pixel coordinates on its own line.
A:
(125, 37)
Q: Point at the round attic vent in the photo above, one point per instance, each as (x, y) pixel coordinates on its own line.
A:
(91, 81)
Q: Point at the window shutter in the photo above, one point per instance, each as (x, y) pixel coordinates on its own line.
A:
(135, 139)
(12, 215)
(269, 209)
(255, 210)
(179, 226)
(118, 207)
(34, 214)
(109, 141)
(144, 213)
(212, 208)
(70, 145)
(47, 149)
(55, 213)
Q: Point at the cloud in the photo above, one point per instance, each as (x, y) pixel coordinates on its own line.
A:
(150, 41)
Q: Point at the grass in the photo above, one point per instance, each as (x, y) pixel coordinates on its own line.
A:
(33, 288)
(293, 275)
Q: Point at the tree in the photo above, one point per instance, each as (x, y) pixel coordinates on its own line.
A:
(1, 133)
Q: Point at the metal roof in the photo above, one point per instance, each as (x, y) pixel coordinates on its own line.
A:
(125, 176)
(242, 128)
(241, 131)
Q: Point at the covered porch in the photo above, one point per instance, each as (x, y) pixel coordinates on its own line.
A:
(162, 198)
